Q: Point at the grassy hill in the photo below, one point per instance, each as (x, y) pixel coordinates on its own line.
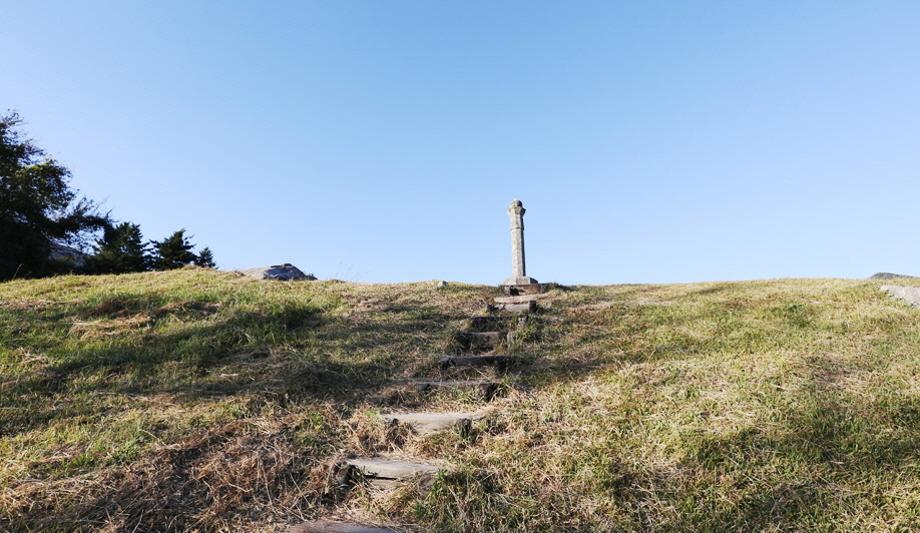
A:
(200, 400)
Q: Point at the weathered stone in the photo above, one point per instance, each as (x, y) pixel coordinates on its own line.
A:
(518, 299)
(518, 263)
(425, 423)
(283, 272)
(67, 255)
(441, 284)
(474, 341)
(327, 526)
(378, 467)
(515, 309)
(486, 323)
(889, 275)
(513, 290)
(908, 295)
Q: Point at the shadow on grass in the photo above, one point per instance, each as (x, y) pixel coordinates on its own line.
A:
(291, 355)
(834, 456)
(290, 352)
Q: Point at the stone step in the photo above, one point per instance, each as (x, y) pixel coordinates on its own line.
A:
(519, 289)
(519, 299)
(484, 389)
(474, 341)
(514, 309)
(500, 362)
(381, 468)
(486, 323)
(425, 423)
(328, 526)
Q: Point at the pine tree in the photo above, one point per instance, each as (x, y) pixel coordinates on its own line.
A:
(172, 252)
(38, 208)
(121, 249)
(205, 258)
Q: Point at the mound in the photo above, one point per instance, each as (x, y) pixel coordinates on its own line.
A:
(198, 400)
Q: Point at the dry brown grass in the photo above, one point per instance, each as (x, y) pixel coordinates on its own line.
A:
(200, 401)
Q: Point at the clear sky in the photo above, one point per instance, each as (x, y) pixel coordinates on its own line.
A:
(383, 140)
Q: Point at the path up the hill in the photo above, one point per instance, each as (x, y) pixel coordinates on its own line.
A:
(483, 345)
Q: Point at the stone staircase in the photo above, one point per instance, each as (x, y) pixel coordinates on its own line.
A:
(483, 347)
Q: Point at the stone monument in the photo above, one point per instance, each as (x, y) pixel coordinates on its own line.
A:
(519, 280)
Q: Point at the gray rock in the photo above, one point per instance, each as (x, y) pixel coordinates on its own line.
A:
(285, 272)
(425, 423)
(328, 526)
(889, 275)
(441, 284)
(908, 295)
(379, 467)
(68, 255)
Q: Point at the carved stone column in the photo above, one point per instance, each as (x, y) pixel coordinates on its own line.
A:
(518, 265)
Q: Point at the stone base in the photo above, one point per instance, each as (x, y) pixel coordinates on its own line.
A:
(519, 280)
(521, 285)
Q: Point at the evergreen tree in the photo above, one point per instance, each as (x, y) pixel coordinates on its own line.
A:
(121, 249)
(205, 258)
(172, 252)
(37, 206)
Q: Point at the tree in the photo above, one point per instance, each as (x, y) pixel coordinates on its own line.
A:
(120, 249)
(205, 258)
(172, 252)
(37, 206)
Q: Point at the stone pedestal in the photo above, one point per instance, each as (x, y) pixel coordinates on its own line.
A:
(519, 282)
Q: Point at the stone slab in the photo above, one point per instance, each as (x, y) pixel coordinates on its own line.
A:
(908, 295)
(391, 468)
(519, 281)
(518, 299)
(486, 323)
(328, 526)
(514, 309)
(479, 341)
(530, 288)
(425, 423)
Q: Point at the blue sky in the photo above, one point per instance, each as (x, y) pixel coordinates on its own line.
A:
(383, 141)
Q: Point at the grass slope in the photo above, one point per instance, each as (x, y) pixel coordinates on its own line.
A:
(200, 400)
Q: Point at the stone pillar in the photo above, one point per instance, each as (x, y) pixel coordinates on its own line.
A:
(518, 266)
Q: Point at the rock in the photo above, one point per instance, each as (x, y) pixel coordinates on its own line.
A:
(285, 272)
(328, 526)
(425, 423)
(889, 275)
(478, 340)
(518, 299)
(515, 309)
(908, 295)
(441, 284)
(379, 467)
(61, 253)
